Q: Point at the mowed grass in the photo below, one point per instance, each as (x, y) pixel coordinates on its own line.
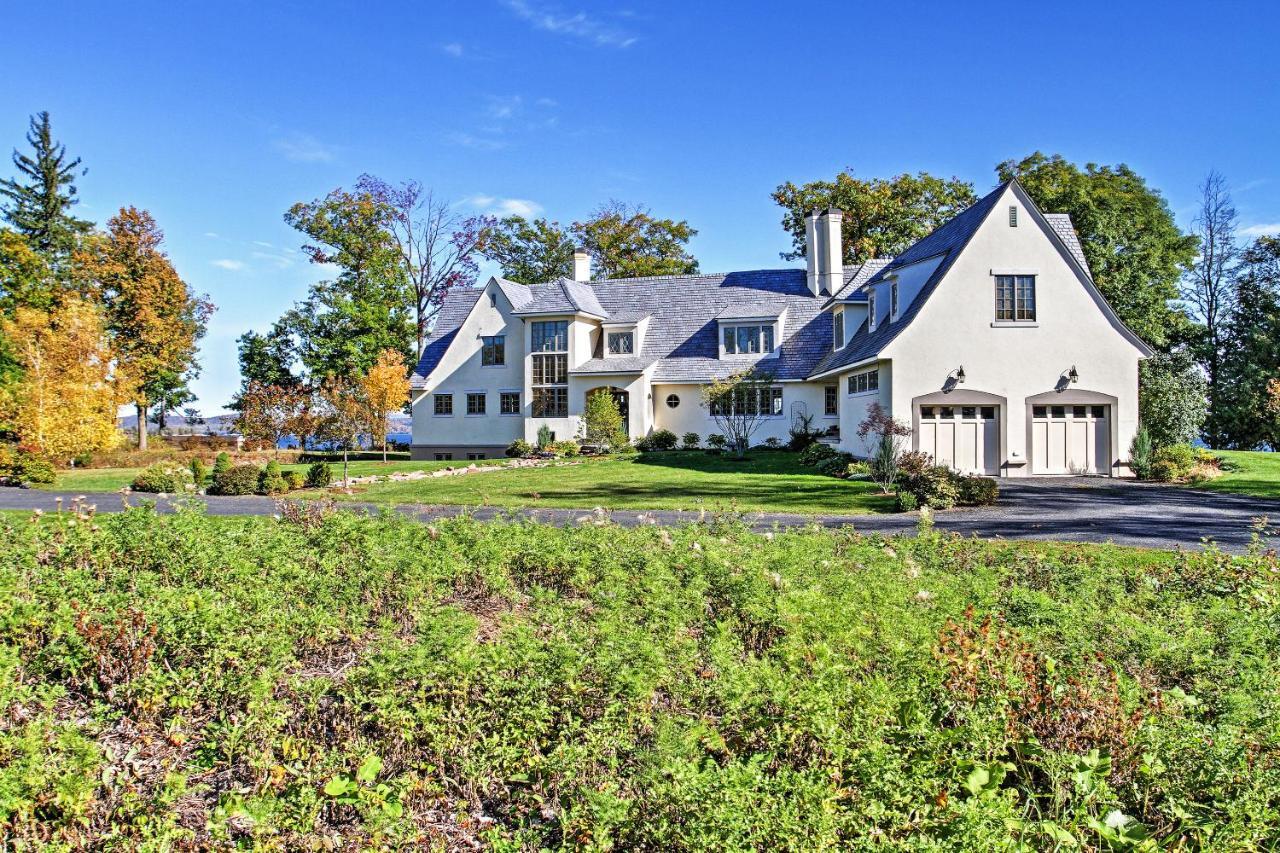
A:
(768, 481)
(1256, 473)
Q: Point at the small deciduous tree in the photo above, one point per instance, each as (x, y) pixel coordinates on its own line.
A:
(343, 416)
(738, 403)
(270, 412)
(888, 435)
(386, 388)
(66, 400)
(602, 420)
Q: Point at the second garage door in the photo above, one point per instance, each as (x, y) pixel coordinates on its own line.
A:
(1071, 439)
(966, 438)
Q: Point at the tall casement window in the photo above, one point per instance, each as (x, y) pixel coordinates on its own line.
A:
(893, 301)
(444, 404)
(1015, 298)
(509, 403)
(475, 403)
(831, 400)
(550, 369)
(621, 343)
(743, 340)
(871, 310)
(837, 329)
(494, 350)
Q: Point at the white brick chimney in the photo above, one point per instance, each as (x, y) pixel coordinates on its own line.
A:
(811, 251)
(831, 260)
(581, 265)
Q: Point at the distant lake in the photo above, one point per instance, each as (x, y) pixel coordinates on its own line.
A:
(291, 441)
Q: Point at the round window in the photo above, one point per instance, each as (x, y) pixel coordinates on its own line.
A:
(673, 400)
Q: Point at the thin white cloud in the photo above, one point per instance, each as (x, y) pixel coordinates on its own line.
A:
(480, 143)
(229, 264)
(213, 234)
(504, 206)
(277, 259)
(578, 25)
(453, 49)
(502, 107)
(264, 244)
(1261, 229)
(304, 148)
(547, 103)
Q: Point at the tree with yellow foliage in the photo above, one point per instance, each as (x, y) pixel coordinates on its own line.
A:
(386, 389)
(154, 319)
(70, 389)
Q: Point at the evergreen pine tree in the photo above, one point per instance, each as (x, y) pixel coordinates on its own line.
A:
(39, 200)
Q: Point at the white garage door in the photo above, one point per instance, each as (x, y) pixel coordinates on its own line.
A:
(966, 438)
(1070, 439)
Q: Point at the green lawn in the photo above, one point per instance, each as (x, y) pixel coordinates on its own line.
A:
(1257, 473)
(767, 481)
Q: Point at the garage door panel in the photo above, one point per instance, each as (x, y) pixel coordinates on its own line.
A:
(966, 438)
(1071, 439)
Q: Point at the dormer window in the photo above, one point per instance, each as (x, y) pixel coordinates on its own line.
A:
(745, 340)
(871, 310)
(893, 300)
(837, 330)
(622, 343)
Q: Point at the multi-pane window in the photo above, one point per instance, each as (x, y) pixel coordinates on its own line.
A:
(893, 300)
(621, 343)
(860, 383)
(742, 340)
(751, 401)
(1015, 298)
(1013, 216)
(476, 456)
(871, 310)
(494, 350)
(444, 457)
(551, 336)
(509, 402)
(475, 403)
(551, 402)
(444, 404)
(837, 329)
(830, 400)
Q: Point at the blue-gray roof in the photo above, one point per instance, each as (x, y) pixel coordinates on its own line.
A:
(563, 296)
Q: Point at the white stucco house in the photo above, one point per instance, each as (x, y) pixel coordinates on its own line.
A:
(988, 336)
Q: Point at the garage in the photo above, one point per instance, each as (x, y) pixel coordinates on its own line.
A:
(966, 438)
(1071, 439)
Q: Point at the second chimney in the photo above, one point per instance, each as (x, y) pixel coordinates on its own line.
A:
(831, 257)
(581, 265)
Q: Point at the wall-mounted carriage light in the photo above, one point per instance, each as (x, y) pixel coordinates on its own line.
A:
(1073, 375)
(960, 375)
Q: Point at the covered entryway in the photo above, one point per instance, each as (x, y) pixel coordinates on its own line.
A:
(962, 436)
(1070, 438)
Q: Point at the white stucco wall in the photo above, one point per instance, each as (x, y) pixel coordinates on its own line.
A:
(956, 328)
(854, 407)
(460, 372)
(692, 416)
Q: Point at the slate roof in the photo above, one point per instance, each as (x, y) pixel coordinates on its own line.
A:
(682, 340)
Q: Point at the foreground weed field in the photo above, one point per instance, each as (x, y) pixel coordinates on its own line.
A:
(327, 681)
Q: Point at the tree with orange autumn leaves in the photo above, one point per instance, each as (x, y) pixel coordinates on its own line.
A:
(268, 413)
(385, 390)
(71, 386)
(154, 319)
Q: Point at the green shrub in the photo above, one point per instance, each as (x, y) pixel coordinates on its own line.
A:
(28, 468)
(977, 491)
(564, 448)
(221, 463)
(236, 480)
(858, 470)
(1165, 471)
(716, 441)
(1140, 453)
(907, 502)
(802, 434)
(934, 486)
(166, 477)
(1178, 458)
(319, 475)
(690, 441)
(836, 465)
(199, 472)
(519, 449)
(294, 479)
(815, 453)
(271, 481)
(660, 439)
(545, 437)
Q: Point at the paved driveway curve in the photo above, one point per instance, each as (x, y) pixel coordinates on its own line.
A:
(1075, 509)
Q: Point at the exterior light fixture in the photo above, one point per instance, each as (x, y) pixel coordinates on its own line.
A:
(1073, 375)
(960, 375)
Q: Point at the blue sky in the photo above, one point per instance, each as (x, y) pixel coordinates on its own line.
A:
(216, 118)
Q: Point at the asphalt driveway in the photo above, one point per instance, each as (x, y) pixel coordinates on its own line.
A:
(1074, 509)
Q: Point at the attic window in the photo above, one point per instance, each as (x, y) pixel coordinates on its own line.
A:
(493, 300)
(1013, 216)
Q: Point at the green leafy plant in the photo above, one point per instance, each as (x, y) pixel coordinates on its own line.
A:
(236, 480)
(690, 441)
(270, 480)
(319, 475)
(199, 472)
(1140, 454)
(363, 790)
(167, 477)
(519, 449)
(294, 479)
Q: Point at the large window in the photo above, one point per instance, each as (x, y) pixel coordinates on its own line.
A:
(837, 329)
(830, 400)
(444, 404)
(551, 336)
(509, 403)
(476, 403)
(893, 300)
(871, 310)
(550, 369)
(860, 383)
(741, 340)
(621, 343)
(757, 401)
(494, 351)
(1015, 298)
